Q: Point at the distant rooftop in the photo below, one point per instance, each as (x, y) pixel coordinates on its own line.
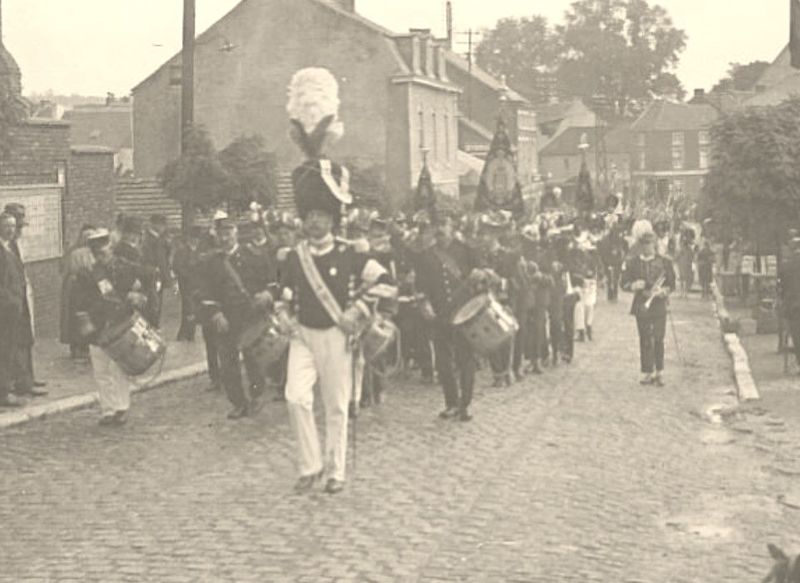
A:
(668, 116)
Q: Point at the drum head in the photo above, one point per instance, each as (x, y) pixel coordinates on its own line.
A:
(471, 309)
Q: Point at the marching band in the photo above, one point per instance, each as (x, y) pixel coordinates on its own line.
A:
(333, 301)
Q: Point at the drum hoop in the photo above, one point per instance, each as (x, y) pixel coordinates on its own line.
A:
(114, 332)
(471, 309)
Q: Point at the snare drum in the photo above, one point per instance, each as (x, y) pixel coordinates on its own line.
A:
(133, 344)
(378, 338)
(486, 324)
(264, 343)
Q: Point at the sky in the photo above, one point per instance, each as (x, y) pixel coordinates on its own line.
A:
(91, 47)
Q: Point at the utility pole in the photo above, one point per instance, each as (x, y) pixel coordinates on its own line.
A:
(187, 73)
(471, 37)
(187, 91)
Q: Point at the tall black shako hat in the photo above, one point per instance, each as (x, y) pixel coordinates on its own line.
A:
(318, 183)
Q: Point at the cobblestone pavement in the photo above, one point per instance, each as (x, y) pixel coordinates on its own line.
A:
(578, 475)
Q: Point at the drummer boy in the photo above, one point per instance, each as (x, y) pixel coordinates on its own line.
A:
(107, 295)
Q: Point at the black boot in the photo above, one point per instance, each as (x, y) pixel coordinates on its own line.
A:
(589, 333)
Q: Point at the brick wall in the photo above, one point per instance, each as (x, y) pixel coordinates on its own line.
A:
(38, 149)
(89, 197)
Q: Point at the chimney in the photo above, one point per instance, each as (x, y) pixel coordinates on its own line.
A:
(449, 25)
(699, 95)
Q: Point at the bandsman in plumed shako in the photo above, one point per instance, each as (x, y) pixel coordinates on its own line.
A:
(323, 311)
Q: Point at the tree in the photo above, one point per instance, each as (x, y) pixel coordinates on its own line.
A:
(197, 179)
(526, 50)
(251, 174)
(753, 187)
(622, 49)
(742, 77)
(13, 110)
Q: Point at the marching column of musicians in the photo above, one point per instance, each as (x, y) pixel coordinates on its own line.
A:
(335, 300)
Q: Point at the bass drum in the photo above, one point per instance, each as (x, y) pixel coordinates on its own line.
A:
(133, 344)
(264, 343)
(486, 324)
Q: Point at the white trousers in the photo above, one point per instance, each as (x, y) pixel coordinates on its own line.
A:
(113, 386)
(584, 308)
(320, 355)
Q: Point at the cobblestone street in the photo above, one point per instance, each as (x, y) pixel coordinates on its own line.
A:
(578, 475)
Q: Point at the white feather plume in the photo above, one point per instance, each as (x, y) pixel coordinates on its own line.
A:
(641, 228)
(313, 96)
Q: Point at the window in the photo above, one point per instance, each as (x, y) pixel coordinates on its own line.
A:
(705, 146)
(642, 160)
(421, 128)
(703, 157)
(677, 150)
(435, 138)
(447, 137)
(566, 164)
(677, 188)
(640, 140)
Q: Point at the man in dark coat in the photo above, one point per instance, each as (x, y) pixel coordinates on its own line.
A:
(157, 254)
(789, 281)
(442, 276)
(186, 265)
(25, 379)
(229, 308)
(12, 298)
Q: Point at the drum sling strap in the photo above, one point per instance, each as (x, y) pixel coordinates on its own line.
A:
(318, 285)
(448, 263)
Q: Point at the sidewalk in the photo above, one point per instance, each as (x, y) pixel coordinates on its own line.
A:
(70, 384)
(779, 390)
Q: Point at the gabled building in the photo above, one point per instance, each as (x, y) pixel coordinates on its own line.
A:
(778, 82)
(671, 149)
(482, 100)
(554, 118)
(560, 160)
(397, 103)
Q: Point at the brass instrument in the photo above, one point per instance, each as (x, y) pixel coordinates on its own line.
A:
(656, 289)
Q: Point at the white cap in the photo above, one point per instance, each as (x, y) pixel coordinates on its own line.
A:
(220, 214)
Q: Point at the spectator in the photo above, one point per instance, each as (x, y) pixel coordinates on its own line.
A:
(157, 254)
(187, 265)
(705, 268)
(685, 267)
(12, 296)
(789, 280)
(24, 378)
(77, 259)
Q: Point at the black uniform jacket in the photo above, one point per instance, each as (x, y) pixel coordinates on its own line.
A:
(442, 276)
(222, 289)
(650, 271)
(343, 270)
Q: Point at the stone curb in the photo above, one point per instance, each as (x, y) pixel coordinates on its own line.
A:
(76, 402)
(745, 384)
